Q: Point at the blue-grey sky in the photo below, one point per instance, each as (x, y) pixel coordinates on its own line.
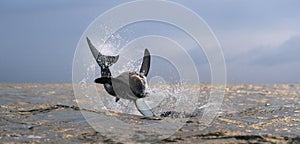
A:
(260, 39)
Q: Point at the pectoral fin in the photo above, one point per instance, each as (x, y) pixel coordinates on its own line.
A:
(143, 108)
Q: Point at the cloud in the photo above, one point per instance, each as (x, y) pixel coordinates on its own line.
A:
(287, 52)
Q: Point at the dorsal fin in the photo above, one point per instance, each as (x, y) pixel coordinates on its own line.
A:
(146, 63)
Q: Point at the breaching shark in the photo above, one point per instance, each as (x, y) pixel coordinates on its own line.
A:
(128, 85)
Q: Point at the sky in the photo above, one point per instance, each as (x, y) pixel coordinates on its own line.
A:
(260, 39)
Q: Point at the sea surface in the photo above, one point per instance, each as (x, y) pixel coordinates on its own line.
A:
(52, 113)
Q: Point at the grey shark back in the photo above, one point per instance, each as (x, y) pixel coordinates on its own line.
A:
(128, 85)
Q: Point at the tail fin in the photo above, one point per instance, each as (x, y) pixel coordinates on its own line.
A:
(102, 60)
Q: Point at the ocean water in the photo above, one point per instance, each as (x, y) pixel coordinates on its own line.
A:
(248, 113)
